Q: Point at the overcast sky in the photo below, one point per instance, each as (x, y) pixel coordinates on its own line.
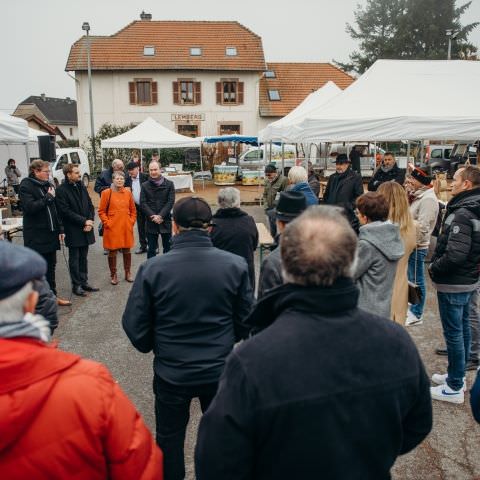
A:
(35, 36)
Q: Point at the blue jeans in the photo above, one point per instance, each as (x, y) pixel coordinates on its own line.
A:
(474, 308)
(418, 255)
(454, 313)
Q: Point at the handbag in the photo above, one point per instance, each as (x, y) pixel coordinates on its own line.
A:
(100, 225)
(415, 294)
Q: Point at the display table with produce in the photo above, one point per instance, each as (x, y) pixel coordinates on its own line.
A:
(224, 174)
(181, 182)
(253, 177)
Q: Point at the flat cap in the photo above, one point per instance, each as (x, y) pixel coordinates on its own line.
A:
(19, 265)
(192, 212)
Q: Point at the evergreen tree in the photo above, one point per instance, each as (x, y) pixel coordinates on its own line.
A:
(408, 29)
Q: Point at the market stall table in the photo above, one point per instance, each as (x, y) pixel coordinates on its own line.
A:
(13, 225)
(181, 181)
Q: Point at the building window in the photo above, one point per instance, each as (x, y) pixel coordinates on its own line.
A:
(71, 131)
(230, 92)
(231, 51)
(229, 129)
(143, 91)
(269, 74)
(273, 95)
(195, 51)
(188, 129)
(149, 51)
(186, 92)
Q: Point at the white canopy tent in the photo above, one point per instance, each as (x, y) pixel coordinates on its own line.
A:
(13, 130)
(150, 134)
(282, 130)
(402, 100)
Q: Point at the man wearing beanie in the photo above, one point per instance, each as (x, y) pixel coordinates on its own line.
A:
(275, 183)
(60, 415)
(290, 206)
(424, 210)
(189, 307)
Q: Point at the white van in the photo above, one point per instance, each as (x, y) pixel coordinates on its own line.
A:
(70, 155)
(256, 158)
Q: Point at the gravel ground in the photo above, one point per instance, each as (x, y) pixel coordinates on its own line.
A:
(92, 328)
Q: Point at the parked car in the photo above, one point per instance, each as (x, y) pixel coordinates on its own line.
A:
(256, 158)
(438, 159)
(70, 155)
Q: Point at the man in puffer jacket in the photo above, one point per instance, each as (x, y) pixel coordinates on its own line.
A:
(454, 272)
(60, 416)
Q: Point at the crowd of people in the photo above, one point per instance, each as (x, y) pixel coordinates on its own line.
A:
(317, 373)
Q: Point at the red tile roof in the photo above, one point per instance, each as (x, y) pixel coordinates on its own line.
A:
(294, 81)
(172, 41)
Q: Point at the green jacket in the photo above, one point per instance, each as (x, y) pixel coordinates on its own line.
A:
(271, 189)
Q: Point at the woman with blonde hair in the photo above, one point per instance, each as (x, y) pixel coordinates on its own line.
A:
(118, 214)
(399, 213)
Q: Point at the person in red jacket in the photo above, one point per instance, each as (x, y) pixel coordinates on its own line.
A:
(60, 416)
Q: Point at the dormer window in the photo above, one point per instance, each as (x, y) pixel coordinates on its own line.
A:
(269, 74)
(231, 51)
(195, 51)
(273, 95)
(149, 51)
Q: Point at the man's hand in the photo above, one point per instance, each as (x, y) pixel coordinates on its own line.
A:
(156, 219)
(87, 228)
(61, 237)
(51, 191)
(89, 223)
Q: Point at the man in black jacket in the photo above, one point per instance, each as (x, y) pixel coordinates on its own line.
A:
(42, 226)
(188, 306)
(454, 272)
(157, 197)
(234, 230)
(308, 397)
(343, 188)
(138, 178)
(388, 171)
(104, 180)
(77, 212)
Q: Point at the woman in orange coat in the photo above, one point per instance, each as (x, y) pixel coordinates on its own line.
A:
(118, 214)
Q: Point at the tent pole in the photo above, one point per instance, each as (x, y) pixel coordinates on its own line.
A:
(101, 152)
(408, 152)
(283, 156)
(201, 166)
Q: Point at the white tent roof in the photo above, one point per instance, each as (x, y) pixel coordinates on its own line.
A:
(402, 100)
(13, 129)
(150, 134)
(281, 129)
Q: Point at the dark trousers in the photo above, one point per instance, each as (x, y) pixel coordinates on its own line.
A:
(172, 412)
(51, 259)
(77, 264)
(152, 239)
(141, 219)
(272, 221)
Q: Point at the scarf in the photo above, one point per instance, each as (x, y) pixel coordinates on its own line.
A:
(157, 181)
(385, 169)
(33, 326)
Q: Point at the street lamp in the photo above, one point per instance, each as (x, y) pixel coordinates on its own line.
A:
(86, 28)
(451, 36)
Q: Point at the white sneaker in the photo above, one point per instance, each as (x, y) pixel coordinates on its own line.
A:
(412, 319)
(445, 394)
(441, 379)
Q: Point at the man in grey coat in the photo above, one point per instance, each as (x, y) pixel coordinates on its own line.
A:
(290, 206)
(379, 249)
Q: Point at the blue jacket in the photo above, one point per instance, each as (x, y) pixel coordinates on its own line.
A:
(304, 187)
(189, 307)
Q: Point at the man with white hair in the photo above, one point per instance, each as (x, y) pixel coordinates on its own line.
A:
(235, 230)
(48, 396)
(298, 181)
(308, 396)
(104, 180)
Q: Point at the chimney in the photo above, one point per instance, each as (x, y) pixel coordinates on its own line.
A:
(145, 16)
(44, 98)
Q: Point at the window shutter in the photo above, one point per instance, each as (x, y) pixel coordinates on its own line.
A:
(132, 92)
(198, 93)
(154, 93)
(219, 92)
(240, 92)
(176, 95)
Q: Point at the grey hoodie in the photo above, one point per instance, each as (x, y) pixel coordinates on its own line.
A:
(379, 249)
